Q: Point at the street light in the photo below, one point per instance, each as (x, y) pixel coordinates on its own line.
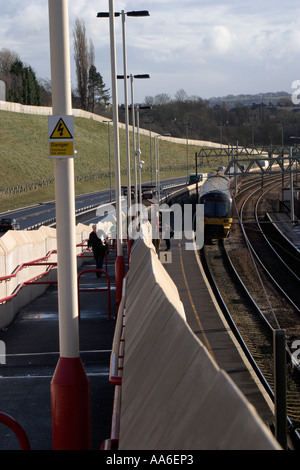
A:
(123, 14)
(156, 153)
(150, 123)
(120, 262)
(103, 14)
(138, 76)
(140, 162)
(108, 126)
(70, 387)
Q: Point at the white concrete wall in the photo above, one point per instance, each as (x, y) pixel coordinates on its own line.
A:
(18, 247)
(173, 396)
(42, 110)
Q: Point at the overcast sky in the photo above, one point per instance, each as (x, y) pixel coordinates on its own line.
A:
(205, 47)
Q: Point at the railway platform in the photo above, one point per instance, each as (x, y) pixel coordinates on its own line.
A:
(32, 353)
(283, 224)
(210, 326)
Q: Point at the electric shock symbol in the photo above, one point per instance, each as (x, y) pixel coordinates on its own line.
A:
(61, 131)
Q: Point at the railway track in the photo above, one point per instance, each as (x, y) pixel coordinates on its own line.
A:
(258, 286)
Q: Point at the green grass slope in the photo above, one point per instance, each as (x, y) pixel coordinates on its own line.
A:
(27, 172)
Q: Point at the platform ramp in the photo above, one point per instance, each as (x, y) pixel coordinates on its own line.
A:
(173, 395)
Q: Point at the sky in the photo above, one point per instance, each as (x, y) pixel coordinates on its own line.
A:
(208, 48)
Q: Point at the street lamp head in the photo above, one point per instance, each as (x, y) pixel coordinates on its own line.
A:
(104, 14)
(143, 75)
(138, 13)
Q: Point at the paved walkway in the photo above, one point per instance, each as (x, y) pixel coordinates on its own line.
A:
(32, 353)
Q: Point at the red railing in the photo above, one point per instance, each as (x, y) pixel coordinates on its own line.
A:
(115, 373)
(50, 264)
(35, 280)
(17, 429)
(95, 289)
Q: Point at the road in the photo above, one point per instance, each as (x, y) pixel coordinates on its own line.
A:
(38, 214)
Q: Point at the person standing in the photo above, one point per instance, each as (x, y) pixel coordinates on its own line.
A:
(98, 247)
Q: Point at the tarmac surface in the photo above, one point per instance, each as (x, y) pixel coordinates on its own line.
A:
(32, 353)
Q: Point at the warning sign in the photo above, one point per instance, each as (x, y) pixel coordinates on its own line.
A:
(61, 149)
(61, 131)
(61, 140)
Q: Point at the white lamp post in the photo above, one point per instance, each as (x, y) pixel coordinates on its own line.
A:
(70, 392)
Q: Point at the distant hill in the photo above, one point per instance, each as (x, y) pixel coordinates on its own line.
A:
(248, 100)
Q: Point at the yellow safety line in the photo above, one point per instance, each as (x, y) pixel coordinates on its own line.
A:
(193, 305)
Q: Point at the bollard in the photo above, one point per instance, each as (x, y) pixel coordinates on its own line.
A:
(71, 406)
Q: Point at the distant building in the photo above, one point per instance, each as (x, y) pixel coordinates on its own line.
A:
(2, 91)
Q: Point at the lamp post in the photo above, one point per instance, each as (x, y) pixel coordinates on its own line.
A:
(123, 14)
(150, 123)
(108, 127)
(112, 14)
(120, 262)
(156, 152)
(140, 162)
(132, 77)
(70, 387)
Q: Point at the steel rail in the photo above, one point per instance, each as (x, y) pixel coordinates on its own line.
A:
(249, 244)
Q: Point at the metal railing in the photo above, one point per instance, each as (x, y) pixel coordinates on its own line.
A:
(17, 429)
(95, 289)
(35, 280)
(115, 373)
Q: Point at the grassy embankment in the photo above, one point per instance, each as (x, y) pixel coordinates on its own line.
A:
(25, 164)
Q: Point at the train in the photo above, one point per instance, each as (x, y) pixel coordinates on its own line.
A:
(216, 195)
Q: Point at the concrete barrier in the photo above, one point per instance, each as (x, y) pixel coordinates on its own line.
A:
(173, 396)
(19, 247)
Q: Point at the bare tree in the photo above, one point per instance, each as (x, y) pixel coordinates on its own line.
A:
(83, 55)
(181, 95)
(90, 87)
(7, 58)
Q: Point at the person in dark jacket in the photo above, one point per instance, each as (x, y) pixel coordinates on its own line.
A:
(98, 247)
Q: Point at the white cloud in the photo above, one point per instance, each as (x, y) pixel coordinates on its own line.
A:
(218, 40)
(204, 47)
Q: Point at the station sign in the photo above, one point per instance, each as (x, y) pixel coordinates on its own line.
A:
(61, 136)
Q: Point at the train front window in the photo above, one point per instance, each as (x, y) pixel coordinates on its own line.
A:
(221, 209)
(209, 208)
(218, 209)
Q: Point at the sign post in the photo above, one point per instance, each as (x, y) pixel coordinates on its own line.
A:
(70, 388)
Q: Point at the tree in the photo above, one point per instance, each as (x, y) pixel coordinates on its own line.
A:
(31, 88)
(7, 58)
(84, 57)
(81, 57)
(181, 95)
(23, 86)
(90, 86)
(96, 89)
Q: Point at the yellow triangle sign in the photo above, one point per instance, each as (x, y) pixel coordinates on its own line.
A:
(61, 131)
